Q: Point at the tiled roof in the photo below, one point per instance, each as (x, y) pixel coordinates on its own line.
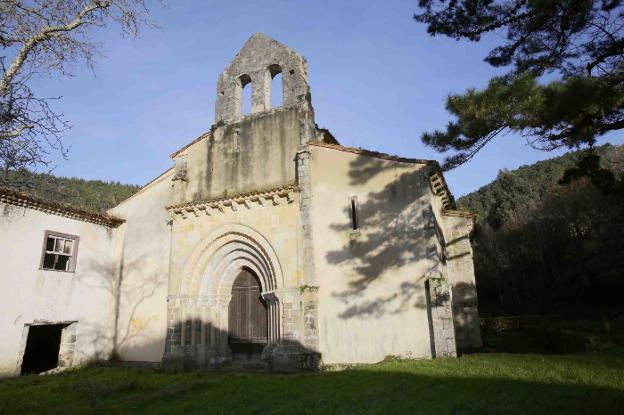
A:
(16, 198)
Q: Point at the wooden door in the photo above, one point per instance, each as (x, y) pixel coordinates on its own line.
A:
(248, 318)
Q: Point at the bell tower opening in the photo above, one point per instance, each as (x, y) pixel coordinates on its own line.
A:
(276, 89)
(243, 95)
(278, 74)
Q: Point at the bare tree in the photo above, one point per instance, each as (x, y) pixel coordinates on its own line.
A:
(47, 38)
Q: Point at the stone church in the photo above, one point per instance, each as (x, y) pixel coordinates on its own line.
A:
(267, 243)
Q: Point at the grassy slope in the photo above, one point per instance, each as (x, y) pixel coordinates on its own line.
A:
(475, 384)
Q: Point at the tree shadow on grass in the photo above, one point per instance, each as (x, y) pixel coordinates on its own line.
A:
(497, 384)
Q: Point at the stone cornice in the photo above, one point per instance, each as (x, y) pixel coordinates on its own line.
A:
(275, 196)
(440, 188)
(15, 198)
(460, 213)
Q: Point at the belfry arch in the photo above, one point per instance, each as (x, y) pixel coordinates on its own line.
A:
(273, 82)
(260, 69)
(242, 107)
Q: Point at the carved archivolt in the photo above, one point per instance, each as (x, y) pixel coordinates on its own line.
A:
(222, 252)
(213, 266)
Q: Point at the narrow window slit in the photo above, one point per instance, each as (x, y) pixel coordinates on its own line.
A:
(354, 214)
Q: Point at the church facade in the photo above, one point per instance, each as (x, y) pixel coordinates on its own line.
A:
(267, 243)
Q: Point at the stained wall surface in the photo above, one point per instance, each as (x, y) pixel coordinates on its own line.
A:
(242, 153)
(255, 65)
(30, 294)
(212, 243)
(255, 153)
(371, 280)
(454, 239)
(350, 238)
(141, 265)
(277, 223)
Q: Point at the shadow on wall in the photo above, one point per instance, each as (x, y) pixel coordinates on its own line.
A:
(127, 296)
(390, 235)
(396, 228)
(204, 345)
(192, 343)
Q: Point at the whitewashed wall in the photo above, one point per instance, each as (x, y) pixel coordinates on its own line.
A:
(31, 294)
(372, 300)
(141, 262)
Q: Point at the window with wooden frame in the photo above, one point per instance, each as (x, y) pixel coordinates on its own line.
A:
(60, 251)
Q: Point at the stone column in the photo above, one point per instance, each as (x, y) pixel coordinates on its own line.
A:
(180, 179)
(311, 358)
(460, 270)
(309, 288)
(305, 212)
(223, 352)
(441, 318)
(440, 313)
(273, 316)
(174, 356)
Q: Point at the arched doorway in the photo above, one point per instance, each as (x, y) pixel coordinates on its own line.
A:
(247, 317)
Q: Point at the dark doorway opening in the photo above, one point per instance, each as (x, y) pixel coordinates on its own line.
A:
(42, 348)
(248, 318)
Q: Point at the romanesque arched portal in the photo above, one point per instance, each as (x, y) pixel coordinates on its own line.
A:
(198, 310)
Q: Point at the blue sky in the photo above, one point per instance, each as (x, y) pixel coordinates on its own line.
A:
(377, 80)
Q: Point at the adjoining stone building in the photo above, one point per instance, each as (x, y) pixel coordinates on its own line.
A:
(267, 242)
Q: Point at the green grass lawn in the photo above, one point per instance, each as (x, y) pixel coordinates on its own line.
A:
(497, 383)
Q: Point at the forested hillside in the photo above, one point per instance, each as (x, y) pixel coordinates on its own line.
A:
(95, 195)
(544, 246)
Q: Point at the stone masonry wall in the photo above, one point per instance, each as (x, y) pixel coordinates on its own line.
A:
(460, 271)
(260, 59)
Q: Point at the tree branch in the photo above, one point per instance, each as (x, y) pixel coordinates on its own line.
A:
(43, 35)
(614, 50)
(4, 135)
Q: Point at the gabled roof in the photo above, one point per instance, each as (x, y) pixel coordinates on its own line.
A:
(259, 39)
(16, 198)
(437, 181)
(202, 136)
(370, 153)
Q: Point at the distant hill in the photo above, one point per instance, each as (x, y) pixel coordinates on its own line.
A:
(542, 246)
(94, 195)
(525, 187)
